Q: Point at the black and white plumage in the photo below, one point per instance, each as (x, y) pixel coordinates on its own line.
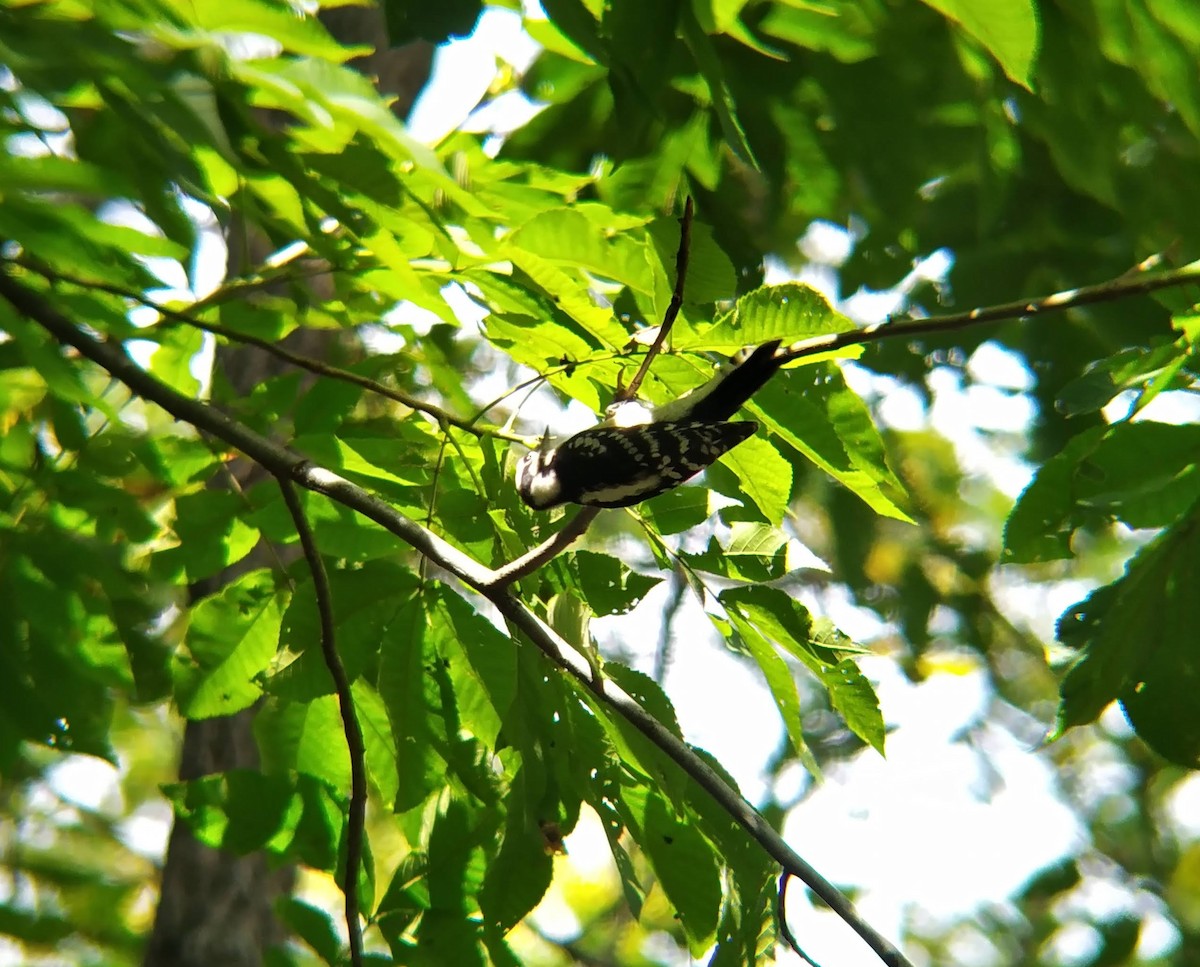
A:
(616, 466)
(713, 402)
(639, 452)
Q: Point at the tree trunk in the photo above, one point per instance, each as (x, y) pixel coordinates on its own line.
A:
(215, 908)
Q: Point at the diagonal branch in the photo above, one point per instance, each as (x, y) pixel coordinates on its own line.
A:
(285, 464)
(1118, 288)
(274, 348)
(531, 560)
(357, 812)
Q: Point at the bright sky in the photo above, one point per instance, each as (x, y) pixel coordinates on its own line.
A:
(941, 826)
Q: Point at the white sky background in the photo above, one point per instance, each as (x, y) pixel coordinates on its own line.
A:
(936, 830)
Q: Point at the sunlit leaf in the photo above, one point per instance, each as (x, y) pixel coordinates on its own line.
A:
(231, 638)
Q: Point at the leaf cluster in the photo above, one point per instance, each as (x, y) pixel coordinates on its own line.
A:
(1042, 146)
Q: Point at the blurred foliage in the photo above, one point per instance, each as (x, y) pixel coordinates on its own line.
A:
(1043, 145)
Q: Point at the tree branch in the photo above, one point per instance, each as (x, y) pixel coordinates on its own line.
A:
(1118, 288)
(530, 561)
(357, 811)
(285, 464)
(274, 348)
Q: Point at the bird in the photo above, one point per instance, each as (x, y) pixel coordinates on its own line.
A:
(638, 451)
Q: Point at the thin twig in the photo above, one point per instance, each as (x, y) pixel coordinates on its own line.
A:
(357, 812)
(279, 352)
(281, 462)
(681, 268)
(1114, 289)
(433, 496)
(781, 919)
(530, 561)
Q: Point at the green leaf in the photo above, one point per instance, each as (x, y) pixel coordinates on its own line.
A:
(631, 885)
(713, 73)
(678, 510)
(571, 618)
(172, 360)
(1159, 705)
(482, 666)
(791, 312)
(354, 457)
(50, 693)
(761, 541)
(747, 932)
(245, 811)
(1009, 30)
(52, 173)
(298, 34)
(685, 863)
(447, 936)
(231, 639)
(815, 411)
(1166, 57)
(75, 241)
(775, 670)
(608, 586)
(635, 751)
(43, 354)
(411, 696)
(765, 476)
(241, 810)
(576, 22)
(850, 36)
(434, 22)
(1144, 474)
(568, 237)
(306, 737)
(366, 601)
(755, 552)
(1128, 369)
(315, 927)
(647, 692)
(854, 697)
(570, 294)
(379, 745)
(1038, 527)
(710, 274)
(519, 875)
(788, 625)
(1134, 635)
(211, 534)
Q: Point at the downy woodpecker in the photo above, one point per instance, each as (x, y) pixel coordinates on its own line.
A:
(639, 452)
